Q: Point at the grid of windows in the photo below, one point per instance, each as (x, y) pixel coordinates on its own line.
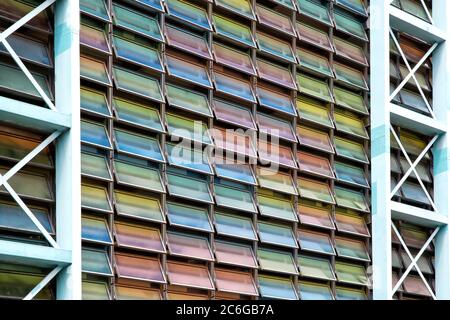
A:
(158, 223)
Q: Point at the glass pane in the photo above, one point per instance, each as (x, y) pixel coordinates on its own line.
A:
(315, 165)
(314, 63)
(349, 76)
(189, 246)
(233, 86)
(234, 31)
(12, 78)
(188, 217)
(415, 193)
(189, 70)
(276, 127)
(315, 190)
(315, 10)
(315, 242)
(353, 5)
(18, 281)
(16, 147)
(351, 223)
(29, 50)
(275, 153)
(275, 47)
(315, 216)
(234, 281)
(234, 170)
(96, 8)
(95, 290)
(276, 180)
(133, 21)
(276, 261)
(314, 291)
(13, 217)
(188, 188)
(188, 158)
(350, 174)
(313, 87)
(276, 288)
(136, 83)
(95, 134)
(137, 53)
(347, 24)
(349, 100)
(314, 111)
(94, 70)
(95, 198)
(138, 237)
(189, 275)
(233, 141)
(31, 185)
(415, 8)
(233, 58)
(276, 207)
(276, 74)
(234, 198)
(313, 36)
(423, 262)
(186, 128)
(95, 262)
(129, 293)
(235, 254)
(233, 114)
(139, 268)
(415, 285)
(95, 229)
(235, 226)
(353, 274)
(350, 124)
(138, 145)
(138, 176)
(352, 249)
(275, 20)
(275, 100)
(154, 4)
(350, 150)
(276, 234)
(138, 114)
(314, 139)
(189, 13)
(94, 101)
(138, 207)
(189, 100)
(188, 41)
(241, 7)
(315, 268)
(350, 51)
(350, 199)
(350, 294)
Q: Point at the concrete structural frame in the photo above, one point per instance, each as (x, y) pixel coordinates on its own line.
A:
(384, 19)
(61, 121)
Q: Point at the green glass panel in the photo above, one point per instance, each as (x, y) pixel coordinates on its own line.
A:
(33, 185)
(135, 22)
(352, 249)
(94, 70)
(188, 217)
(185, 128)
(235, 226)
(276, 261)
(138, 84)
(314, 62)
(12, 78)
(95, 262)
(188, 100)
(346, 23)
(239, 199)
(350, 76)
(351, 125)
(314, 9)
(315, 190)
(350, 100)
(94, 197)
(313, 87)
(17, 282)
(314, 111)
(276, 234)
(276, 207)
(349, 149)
(95, 166)
(95, 290)
(415, 8)
(189, 13)
(280, 182)
(96, 8)
(353, 274)
(138, 207)
(235, 31)
(137, 114)
(351, 199)
(94, 101)
(138, 176)
(241, 7)
(315, 268)
(189, 188)
(350, 294)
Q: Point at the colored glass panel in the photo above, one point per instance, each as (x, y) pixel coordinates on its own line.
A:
(138, 176)
(138, 145)
(317, 268)
(94, 70)
(314, 63)
(314, 164)
(188, 158)
(95, 229)
(188, 217)
(272, 152)
(314, 291)
(233, 86)
(138, 207)
(137, 84)
(352, 274)
(13, 217)
(186, 128)
(313, 111)
(235, 282)
(276, 288)
(315, 190)
(346, 23)
(276, 207)
(189, 275)
(350, 150)
(275, 100)
(351, 199)
(241, 7)
(234, 170)
(233, 114)
(276, 261)
(96, 8)
(94, 101)
(314, 139)
(275, 73)
(189, 246)
(275, 20)
(188, 41)
(350, 100)
(233, 141)
(315, 242)
(276, 180)
(95, 198)
(237, 32)
(188, 70)
(189, 13)
(313, 36)
(351, 249)
(316, 10)
(138, 268)
(315, 216)
(350, 174)
(276, 127)
(351, 125)
(235, 254)
(138, 237)
(233, 58)
(188, 100)
(135, 22)
(313, 87)
(351, 223)
(235, 226)
(233, 197)
(95, 262)
(95, 134)
(276, 234)
(275, 47)
(138, 114)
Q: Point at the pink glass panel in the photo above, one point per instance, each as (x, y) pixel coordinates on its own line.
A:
(274, 20)
(238, 282)
(276, 153)
(276, 127)
(188, 42)
(276, 74)
(235, 254)
(194, 247)
(234, 114)
(316, 216)
(314, 36)
(314, 164)
(135, 267)
(233, 58)
(315, 139)
(189, 275)
(128, 235)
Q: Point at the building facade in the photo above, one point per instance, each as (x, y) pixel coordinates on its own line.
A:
(224, 149)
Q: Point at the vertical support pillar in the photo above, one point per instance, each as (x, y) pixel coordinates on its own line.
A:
(441, 168)
(380, 150)
(68, 163)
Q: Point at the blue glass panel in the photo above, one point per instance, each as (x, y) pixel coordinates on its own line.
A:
(13, 217)
(235, 171)
(188, 217)
(275, 100)
(276, 288)
(155, 4)
(137, 53)
(95, 229)
(138, 145)
(96, 262)
(314, 291)
(95, 134)
(188, 71)
(189, 158)
(276, 234)
(235, 87)
(188, 12)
